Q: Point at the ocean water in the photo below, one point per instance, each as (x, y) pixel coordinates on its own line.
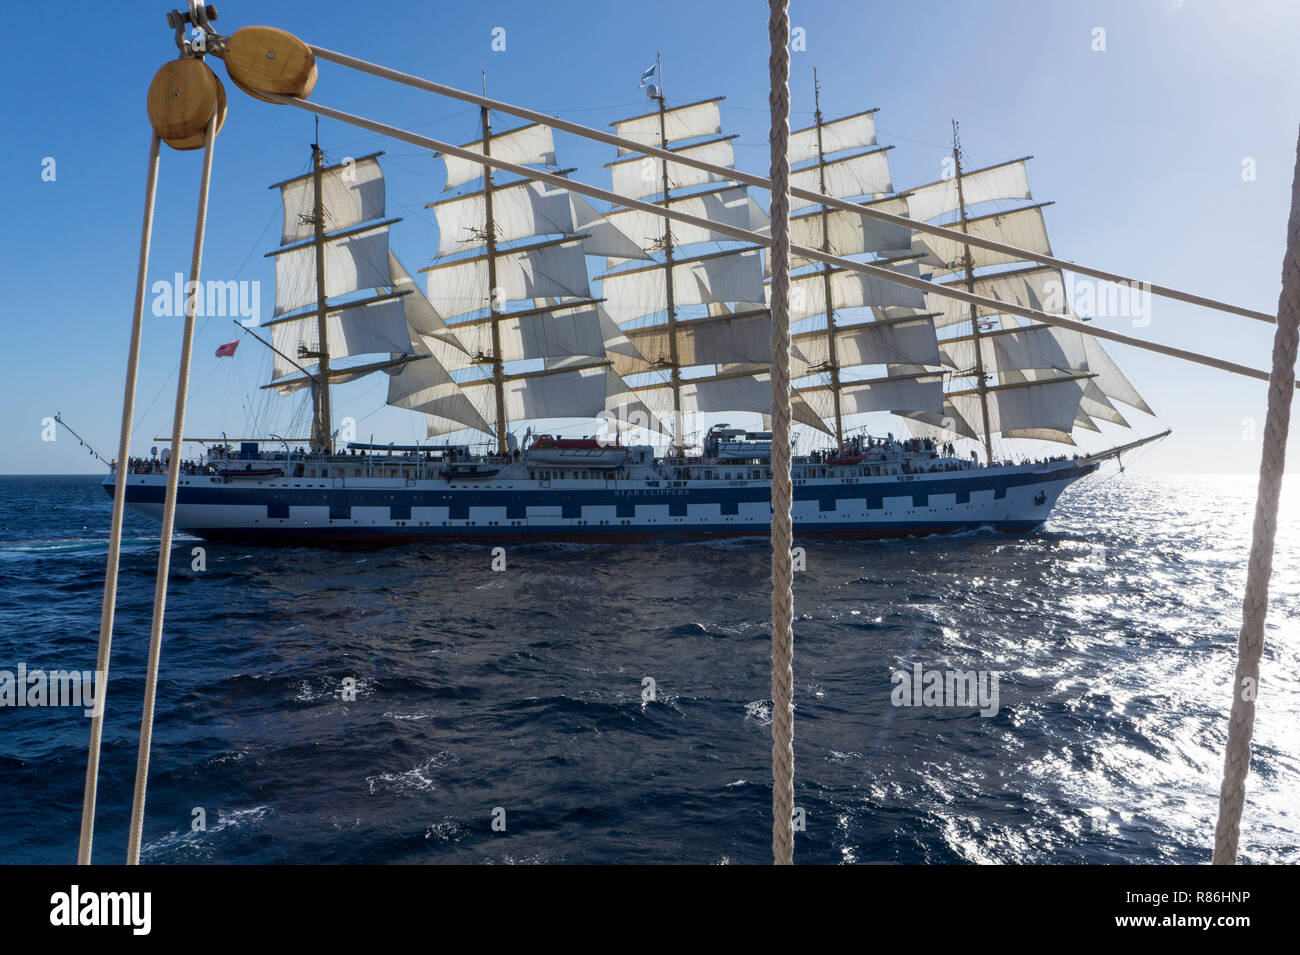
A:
(518, 694)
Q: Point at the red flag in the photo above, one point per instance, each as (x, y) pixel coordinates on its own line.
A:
(228, 349)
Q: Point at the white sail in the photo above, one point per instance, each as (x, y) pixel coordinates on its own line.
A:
(1095, 404)
(352, 262)
(708, 395)
(579, 393)
(429, 332)
(851, 233)
(1041, 288)
(526, 146)
(602, 236)
(729, 206)
(351, 193)
(917, 393)
(745, 338)
(866, 174)
(1110, 379)
(1022, 228)
(753, 393)
(1084, 353)
(524, 210)
(338, 376)
(520, 210)
(1046, 407)
(1036, 347)
(911, 341)
(848, 290)
(941, 426)
(549, 270)
(851, 132)
(1004, 181)
(426, 386)
(960, 353)
(726, 277)
(641, 176)
(1043, 347)
(365, 329)
(557, 332)
(680, 122)
(627, 360)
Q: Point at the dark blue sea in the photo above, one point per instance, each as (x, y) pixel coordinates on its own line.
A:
(1112, 633)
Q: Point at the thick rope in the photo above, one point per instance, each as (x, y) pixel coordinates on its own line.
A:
(109, 605)
(169, 509)
(749, 179)
(1250, 641)
(746, 235)
(782, 535)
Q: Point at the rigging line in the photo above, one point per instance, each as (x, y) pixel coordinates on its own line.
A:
(144, 414)
(109, 605)
(396, 161)
(407, 79)
(362, 394)
(942, 147)
(258, 241)
(166, 381)
(745, 235)
(1254, 611)
(781, 527)
(136, 831)
(211, 371)
(58, 417)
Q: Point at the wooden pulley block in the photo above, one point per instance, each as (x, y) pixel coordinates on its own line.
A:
(266, 60)
(181, 99)
(196, 141)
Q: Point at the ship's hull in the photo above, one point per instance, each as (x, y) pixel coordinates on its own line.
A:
(377, 511)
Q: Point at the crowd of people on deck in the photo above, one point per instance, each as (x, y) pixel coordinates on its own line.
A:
(157, 465)
(855, 449)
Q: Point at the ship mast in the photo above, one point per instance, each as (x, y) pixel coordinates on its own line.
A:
(498, 366)
(832, 357)
(679, 447)
(322, 437)
(981, 382)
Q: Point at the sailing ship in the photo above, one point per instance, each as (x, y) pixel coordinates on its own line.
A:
(508, 332)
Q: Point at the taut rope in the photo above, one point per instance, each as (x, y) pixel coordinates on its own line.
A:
(746, 235)
(782, 534)
(169, 508)
(1250, 641)
(109, 605)
(749, 179)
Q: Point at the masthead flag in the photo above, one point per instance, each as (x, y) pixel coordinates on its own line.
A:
(228, 349)
(646, 75)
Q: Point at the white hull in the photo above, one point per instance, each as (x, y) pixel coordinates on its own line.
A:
(1013, 498)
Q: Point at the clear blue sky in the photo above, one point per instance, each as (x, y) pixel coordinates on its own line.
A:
(1140, 147)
